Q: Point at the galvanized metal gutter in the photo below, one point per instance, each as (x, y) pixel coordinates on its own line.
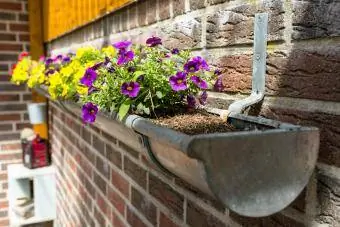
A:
(255, 171)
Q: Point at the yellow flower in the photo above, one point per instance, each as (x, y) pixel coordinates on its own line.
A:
(109, 51)
(21, 71)
(65, 91)
(37, 75)
(82, 90)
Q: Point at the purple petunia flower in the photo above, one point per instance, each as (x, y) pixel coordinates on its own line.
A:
(196, 64)
(201, 62)
(203, 98)
(218, 86)
(107, 61)
(66, 59)
(48, 61)
(50, 71)
(89, 77)
(191, 101)
(178, 82)
(59, 57)
(131, 69)
(123, 45)
(92, 89)
(111, 69)
(89, 112)
(125, 56)
(130, 89)
(97, 65)
(175, 51)
(191, 66)
(153, 41)
(199, 82)
(140, 78)
(217, 72)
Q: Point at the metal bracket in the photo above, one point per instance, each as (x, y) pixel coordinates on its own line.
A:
(259, 66)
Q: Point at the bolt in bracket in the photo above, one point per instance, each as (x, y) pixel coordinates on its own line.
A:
(259, 66)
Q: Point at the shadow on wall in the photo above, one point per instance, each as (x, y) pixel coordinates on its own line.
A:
(308, 71)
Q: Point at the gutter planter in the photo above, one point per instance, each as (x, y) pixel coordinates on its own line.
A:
(255, 171)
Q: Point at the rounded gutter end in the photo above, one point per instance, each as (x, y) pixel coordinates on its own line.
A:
(264, 174)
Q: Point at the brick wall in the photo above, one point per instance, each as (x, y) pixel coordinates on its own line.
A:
(103, 180)
(14, 38)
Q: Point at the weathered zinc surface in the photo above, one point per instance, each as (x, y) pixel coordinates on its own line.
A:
(104, 182)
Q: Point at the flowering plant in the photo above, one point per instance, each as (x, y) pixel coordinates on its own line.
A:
(142, 79)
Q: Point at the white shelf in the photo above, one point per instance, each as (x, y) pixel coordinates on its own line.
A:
(18, 221)
(19, 171)
(44, 187)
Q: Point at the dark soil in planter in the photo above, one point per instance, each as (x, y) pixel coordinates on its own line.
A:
(195, 123)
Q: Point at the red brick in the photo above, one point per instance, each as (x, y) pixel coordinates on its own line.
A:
(9, 117)
(133, 219)
(144, 206)
(4, 205)
(10, 47)
(99, 217)
(20, 126)
(134, 171)
(102, 204)
(3, 176)
(6, 127)
(164, 9)
(24, 37)
(100, 182)
(115, 220)
(328, 200)
(2, 26)
(166, 195)
(7, 37)
(114, 156)
(5, 78)
(151, 11)
(116, 200)
(196, 4)
(129, 150)
(120, 183)
(5, 97)
(10, 156)
(178, 7)
(164, 221)
(4, 223)
(3, 214)
(10, 87)
(103, 167)
(10, 6)
(198, 217)
(142, 10)
(19, 27)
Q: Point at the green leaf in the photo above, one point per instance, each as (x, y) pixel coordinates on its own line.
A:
(146, 110)
(137, 74)
(159, 94)
(140, 107)
(124, 109)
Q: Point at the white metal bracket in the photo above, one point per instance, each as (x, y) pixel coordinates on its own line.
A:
(259, 66)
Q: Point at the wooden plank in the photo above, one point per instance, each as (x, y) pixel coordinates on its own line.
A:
(37, 50)
(62, 16)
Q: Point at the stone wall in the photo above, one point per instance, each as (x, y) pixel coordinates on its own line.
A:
(103, 181)
(14, 38)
